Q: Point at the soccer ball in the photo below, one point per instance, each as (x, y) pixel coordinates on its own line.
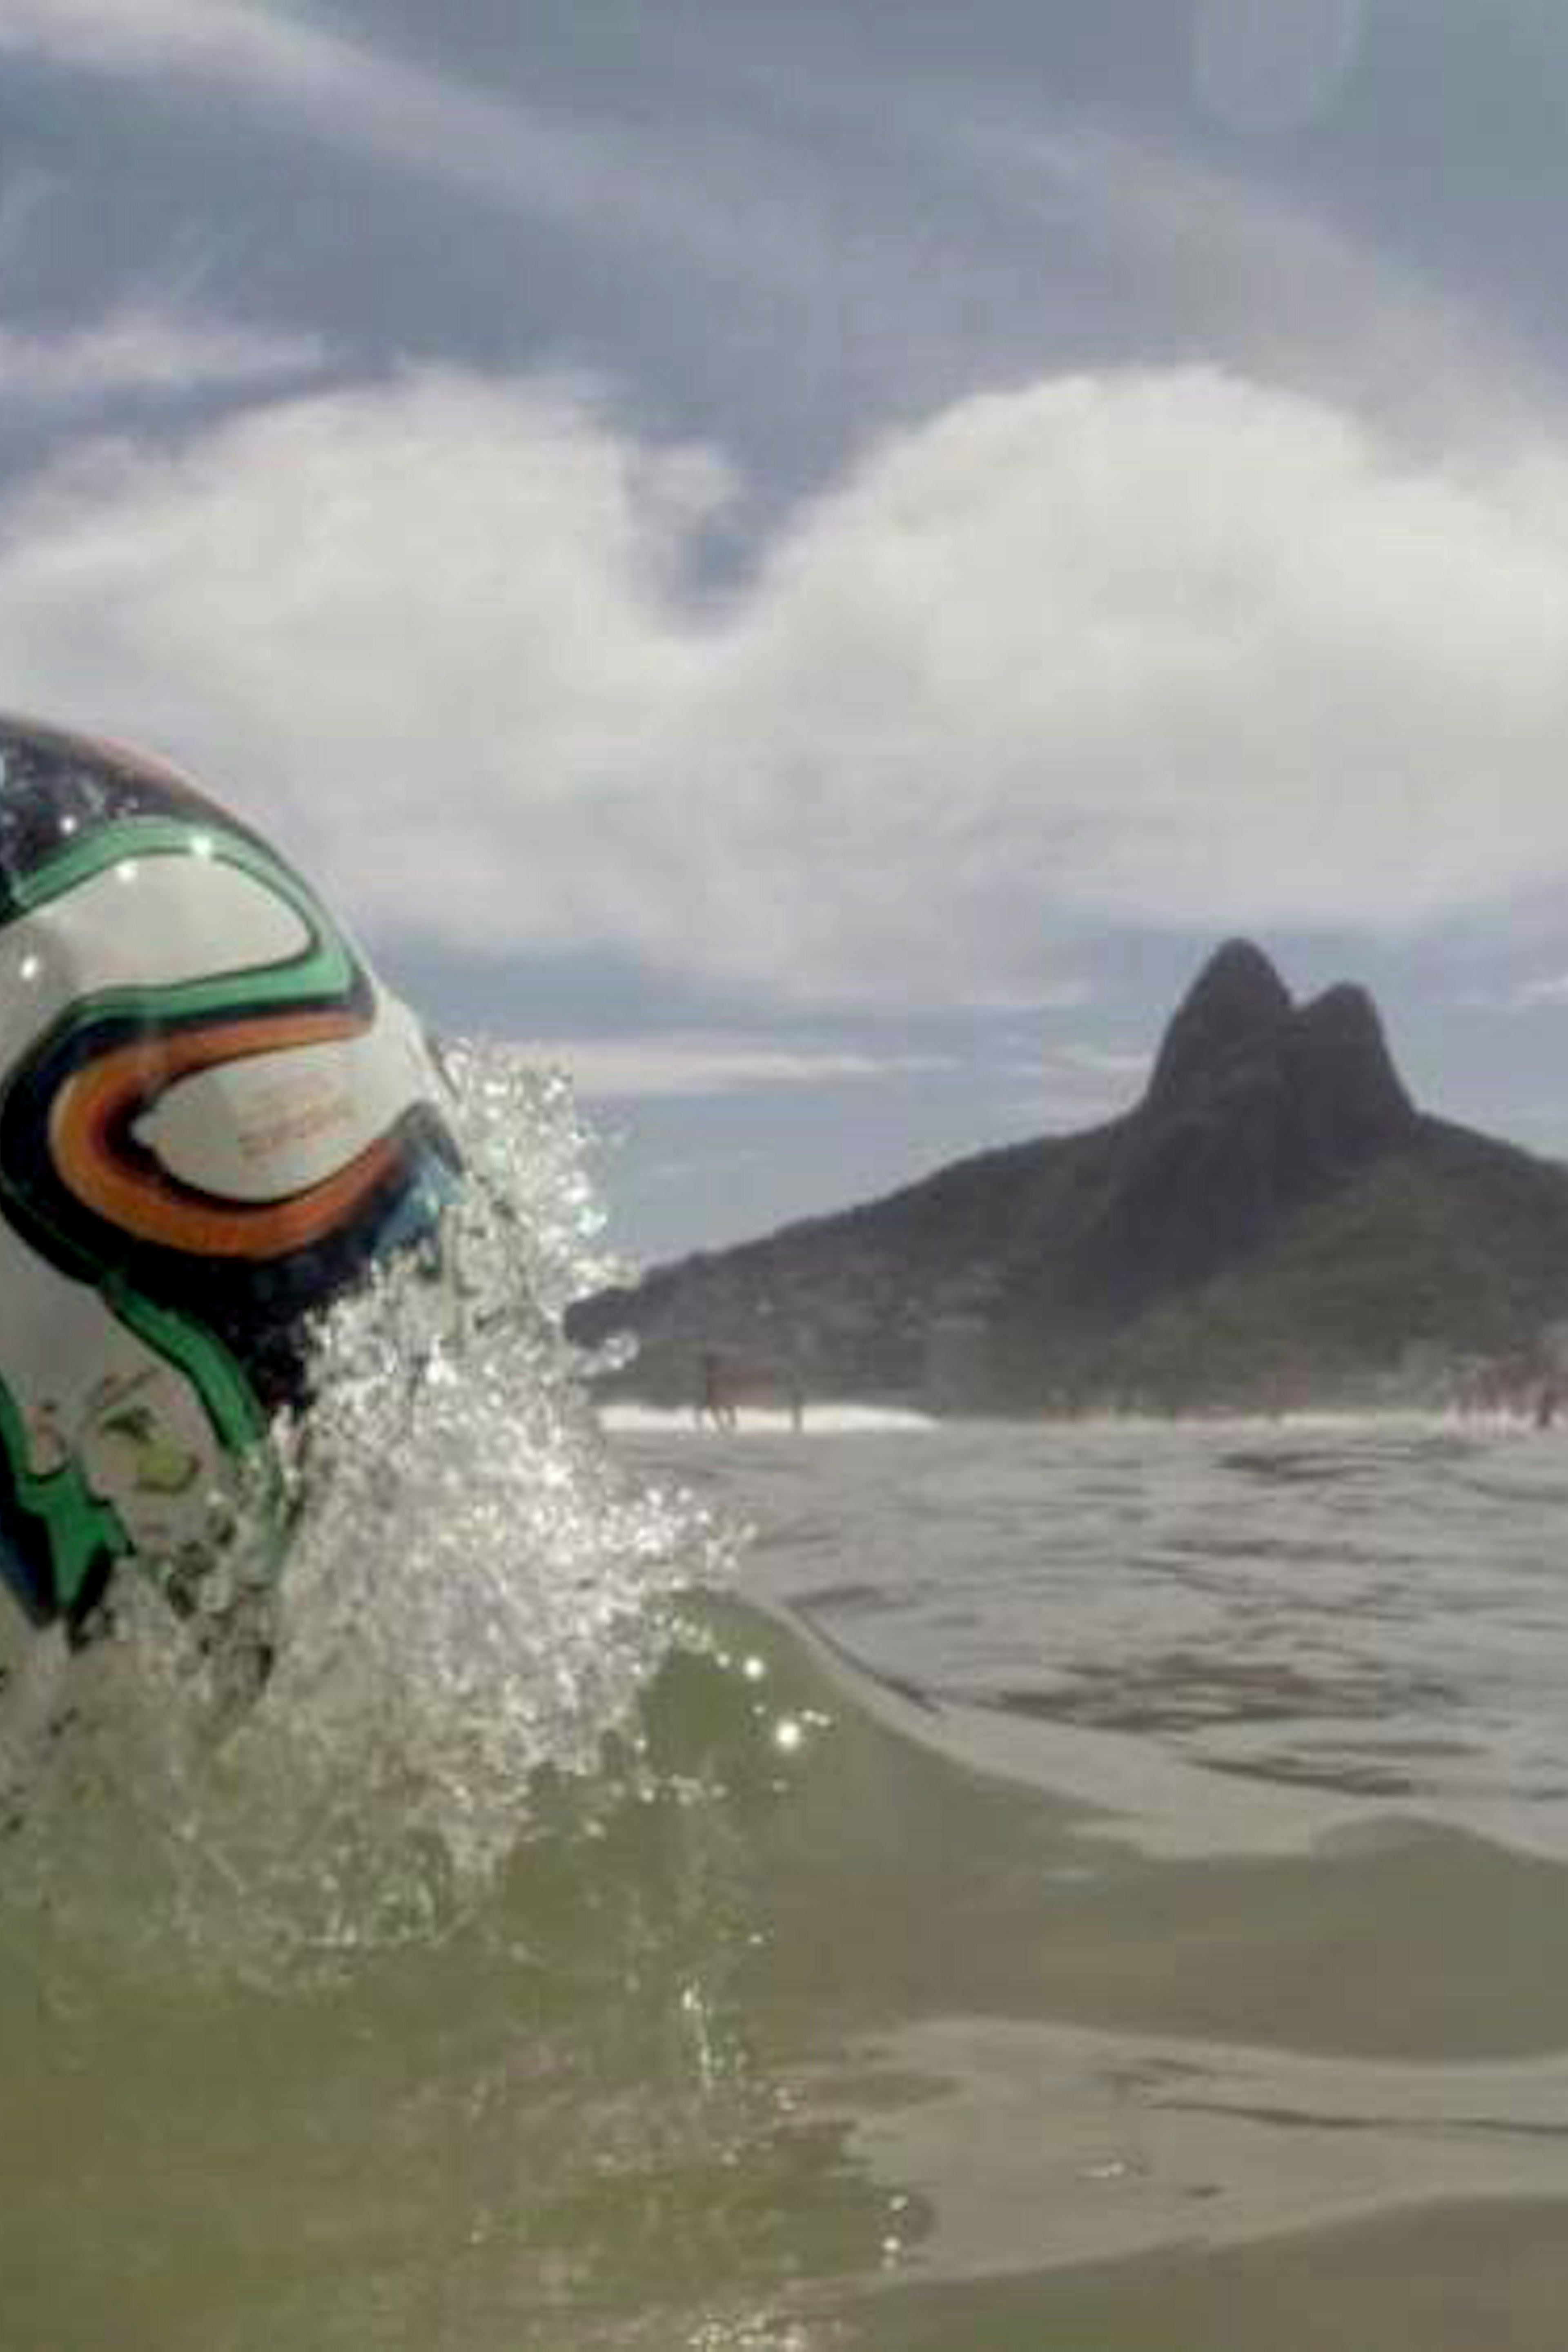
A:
(213, 1120)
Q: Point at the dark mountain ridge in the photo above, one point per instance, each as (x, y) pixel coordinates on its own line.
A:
(1274, 1217)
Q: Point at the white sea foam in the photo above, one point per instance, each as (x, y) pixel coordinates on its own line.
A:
(830, 1419)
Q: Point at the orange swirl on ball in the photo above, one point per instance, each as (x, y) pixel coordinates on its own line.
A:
(93, 1109)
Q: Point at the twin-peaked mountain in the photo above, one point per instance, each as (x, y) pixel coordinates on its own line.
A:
(1273, 1221)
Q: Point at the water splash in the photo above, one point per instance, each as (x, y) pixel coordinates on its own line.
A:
(473, 1593)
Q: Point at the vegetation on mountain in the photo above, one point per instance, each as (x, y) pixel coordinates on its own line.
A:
(1274, 1223)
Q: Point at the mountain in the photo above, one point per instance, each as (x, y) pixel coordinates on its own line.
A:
(1274, 1220)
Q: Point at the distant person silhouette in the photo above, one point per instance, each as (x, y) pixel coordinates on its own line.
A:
(718, 1406)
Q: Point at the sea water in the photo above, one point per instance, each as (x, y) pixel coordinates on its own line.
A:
(1094, 1886)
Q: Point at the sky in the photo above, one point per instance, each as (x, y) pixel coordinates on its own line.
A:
(806, 561)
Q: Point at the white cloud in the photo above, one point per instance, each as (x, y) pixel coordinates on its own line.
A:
(352, 94)
(144, 348)
(1181, 256)
(1154, 647)
(1103, 1061)
(632, 1069)
(1072, 1084)
(240, 42)
(1220, 263)
(1533, 994)
(606, 178)
(1525, 996)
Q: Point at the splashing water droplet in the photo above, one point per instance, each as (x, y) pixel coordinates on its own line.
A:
(472, 1593)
